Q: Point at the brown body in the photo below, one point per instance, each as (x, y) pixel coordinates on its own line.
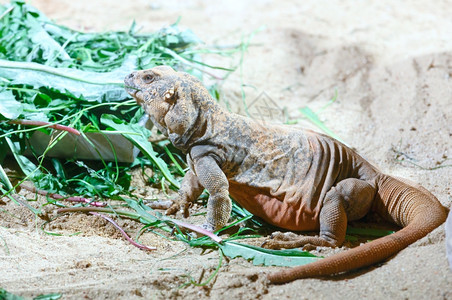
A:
(294, 179)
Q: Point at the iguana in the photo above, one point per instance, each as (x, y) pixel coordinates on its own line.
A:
(295, 179)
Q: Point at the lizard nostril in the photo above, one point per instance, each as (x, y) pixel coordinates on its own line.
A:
(131, 75)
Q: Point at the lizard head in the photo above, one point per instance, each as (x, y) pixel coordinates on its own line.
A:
(173, 100)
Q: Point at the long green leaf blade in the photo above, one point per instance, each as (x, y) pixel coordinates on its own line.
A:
(268, 257)
(4, 178)
(314, 118)
(92, 86)
(138, 136)
(369, 231)
(25, 164)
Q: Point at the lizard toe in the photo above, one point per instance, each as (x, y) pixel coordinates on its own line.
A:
(271, 244)
(186, 211)
(284, 236)
(276, 235)
(173, 209)
(309, 247)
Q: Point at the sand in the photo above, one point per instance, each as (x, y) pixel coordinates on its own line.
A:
(390, 64)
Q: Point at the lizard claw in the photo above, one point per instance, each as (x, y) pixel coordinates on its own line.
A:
(309, 247)
(160, 204)
(284, 236)
(271, 244)
(183, 208)
(277, 240)
(173, 209)
(186, 211)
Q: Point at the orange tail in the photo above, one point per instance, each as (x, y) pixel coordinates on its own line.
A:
(412, 207)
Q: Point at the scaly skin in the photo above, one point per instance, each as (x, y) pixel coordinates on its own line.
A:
(294, 179)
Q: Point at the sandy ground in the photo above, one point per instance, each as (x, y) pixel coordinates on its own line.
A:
(390, 63)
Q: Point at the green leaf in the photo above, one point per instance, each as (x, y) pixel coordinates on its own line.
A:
(4, 295)
(268, 257)
(25, 164)
(369, 231)
(145, 217)
(138, 135)
(4, 179)
(53, 296)
(10, 108)
(40, 37)
(33, 113)
(314, 118)
(59, 169)
(92, 86)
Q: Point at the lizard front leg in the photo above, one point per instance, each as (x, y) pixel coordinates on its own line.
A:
(215, 182)
(189, 191)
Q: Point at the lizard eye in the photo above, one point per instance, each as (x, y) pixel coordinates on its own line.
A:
(148, 78)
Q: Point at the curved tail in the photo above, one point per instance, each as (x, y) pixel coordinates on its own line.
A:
(404, 203)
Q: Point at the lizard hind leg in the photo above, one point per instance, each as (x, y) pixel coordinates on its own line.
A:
(350, 199)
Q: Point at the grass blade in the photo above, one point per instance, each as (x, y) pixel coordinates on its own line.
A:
(314, 118)
(5, 180)
(267, 257)
(138, 137)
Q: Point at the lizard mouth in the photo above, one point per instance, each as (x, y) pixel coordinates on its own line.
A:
(132, 91)
(130, 86)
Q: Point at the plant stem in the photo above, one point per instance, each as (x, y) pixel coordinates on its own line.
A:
(124, 234)
(136, 216)
(58, 196)
(130, 215)
(44, 125)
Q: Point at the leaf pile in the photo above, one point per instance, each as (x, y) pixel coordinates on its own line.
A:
(54, 74)
(58, 75)
(27, 35)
